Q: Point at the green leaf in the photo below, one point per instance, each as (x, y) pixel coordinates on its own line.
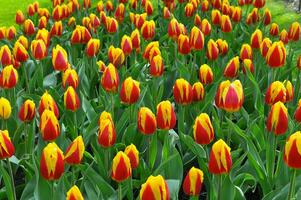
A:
(7, 183)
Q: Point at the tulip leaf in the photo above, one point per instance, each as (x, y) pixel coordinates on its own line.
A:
(7, 183)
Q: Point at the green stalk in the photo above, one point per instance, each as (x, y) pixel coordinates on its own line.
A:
(270, 156)
(26, 78)
(74, 125)
(30, 137)
(119, 192)
(194, 197)
(219, 194)
(11, 178)
(52, 190)
(297, 87)
(181, 126)
(229, 131)
(112, 105)
(291, 192)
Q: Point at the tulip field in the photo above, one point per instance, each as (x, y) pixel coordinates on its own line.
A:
(150, 100)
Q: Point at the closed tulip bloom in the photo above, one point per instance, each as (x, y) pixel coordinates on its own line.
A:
(299, 62)
(265, 46)
(126, 45)
(70, 78)
(8, 77)
(148, 48)
(44, 35)
(156, 66)
(110, 78)
(277, 121)
(229, 96)
(173, 29)
(56, 29)
(106, 133)
(57, 13)
(148, 7)
(216, 17)
(52, 162)
(19, 18)
(24, 41)
(182, 92)
(220, 160)
(38, 49)
(48, 103)
(246, 52)
(10, 33)
(92, 47)
(255, 15)
(105, 115)
(189, 10)
(205, 74)
(256, 39)
(203, 131)
(196, 39)
(135, 38)
(71, 22)
(27, 111)
(5, 55)
(226, 25)
(274, 29)
(75, 151)
(140, 19)
(259, 3)
(197, 20)
(292, 156)
(116, 56)
(276, 55)
(130, 91)
(2, 32)
(28, 27)
(109, 6)
(289, 90)
(42, 22)
(198, 92)
(267, 17)
(205, 6)
(121, 167)
(297, 114)
(183, 44)
(294, 31)
(276, 92)
(148, 30)
(100, 6)
(120, 11)
(101, 65)
(74, 194)
(7, 148)
(133, 154)
(71, 99)
(155, 188)
(20, 53)
(248, 65)
(222, 46)
(193, 182)
(5, 108)
(166, 13)
(146, 121)
(236, 14)
(111, 25)
(49, 126)
(283, 36)
(87, 4)
(212, 50)
(232, 68)
(59, 58)
(206, 27)
(166, 117)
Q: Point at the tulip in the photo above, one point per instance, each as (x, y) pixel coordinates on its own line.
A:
(23, 40)
(205, 5)
(119, 13)
(299, 62)
(140, 19)
(42, 22)
(5, 55)
(212, 50)
(111, 25)
(205, 74)
(183, 44)
(7, 148)
(28, 27)
(103, 116)
(196, 39)
(166, 117)
(256, 39)
(59, 58)
(5, 108)
(49, 126)
(255, 15)
(44, 12)
(27, 111)
(226, 25)
(135, 39)
(126, 45)
(193, 181)
(38, 49)
(148, 7)
(246, 52)
(70, 78)
(107, 133)
(130, 91)
(133, 154)
(283, 36)
(292, 156)
(148, 30)
(148, 48)
(8, 77)
(182, 92)
(247, 65)
(216, 17)
(264, 47)
(189, 10)
(71, 99)
(276, 55)
(237, 14)
(203, 131)
(57, 29)
(297, 114)
(109, 6)
(87, 4)
(146, 121)
(156, 66)
(229, 96)
(57, 13)
(48, 103)
(222, 46)
(20, 53)
(74, 194)
(155, 188)
(276, 92)
(10, 33)
(277, 121)
(198, 92)
(173, 29)
(206, 27)
(116, 56)
(274, 29)
(121, 167)
(232, 68)
(95, 21)
(110, 78)
(52, 162)
(166, 13)
(220, 160)
(267, 17)
(43, 34)
(289, 90)
(75, 151)
(294, 31)
(197, 20)
(71, 22)
(92, 47)
(19, 19)
(259, 3)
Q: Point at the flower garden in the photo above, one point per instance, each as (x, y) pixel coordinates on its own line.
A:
(150, 100)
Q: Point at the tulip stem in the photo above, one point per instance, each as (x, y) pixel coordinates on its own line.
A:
(74, 125)
(297, 86)
(181, 126)
(291, 192)
(26, 78)
(229, 131)
(119, 192)
(112, 105)
(52, 190)
(219, 195)
(11, 177)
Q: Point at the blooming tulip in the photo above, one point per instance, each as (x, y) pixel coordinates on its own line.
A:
(75, 151)
(121, 167)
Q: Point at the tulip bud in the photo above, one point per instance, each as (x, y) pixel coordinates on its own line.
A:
(23, 40)
(48, 103)
(103, 116)
(198, 92)
(189, 10)
(71, 22)
(140, 19)
(297, 114)
(130, 91)
(43, 34)
(203, 131)
(109, 6)
(28, 27)
(70, 78)
(148, 8)
(247, 65)
(212, 50)
(222, 46)
(259, 3)
(155, 187)
(166, 13)
(246, 52)
(182, 92)
(10, 33)
(156, 66)
(291, 151)
(27, 111)
(289, 90)
(220, 160)
(166, 117)
(71, 99)
(116, 56)
(275, 92)
(110, 79)
(216, 17)
(92, 47)
(264, 47)
(20, 53)
(277, 121)
(274, 29)
(135, 38)
(294, 31)
(19, 19)
(193, 181)
(111, 25)
(276, 55)
(206, 27)
(146, 121)
(283, 36)
(237, 14)
(52, 162)
(126, 45)
(121, 167)
(107, 133)
(196, 39)
(229, 96)
(183, 44)
(226, 25)
(5, 108)
(205, 74)
(5, 56)
(148, 30)
(120, 11)
(75, 151)
(42, 22)
(173, 29)
(256, 39)
(267, 17)
(232, 68)
(101, 65)
(38, 49)
(49, 126)
(148, 48)
(205, 5)
(59, 58)
(8, 77)
(133, 154)
(74, 194)
(57, 29)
